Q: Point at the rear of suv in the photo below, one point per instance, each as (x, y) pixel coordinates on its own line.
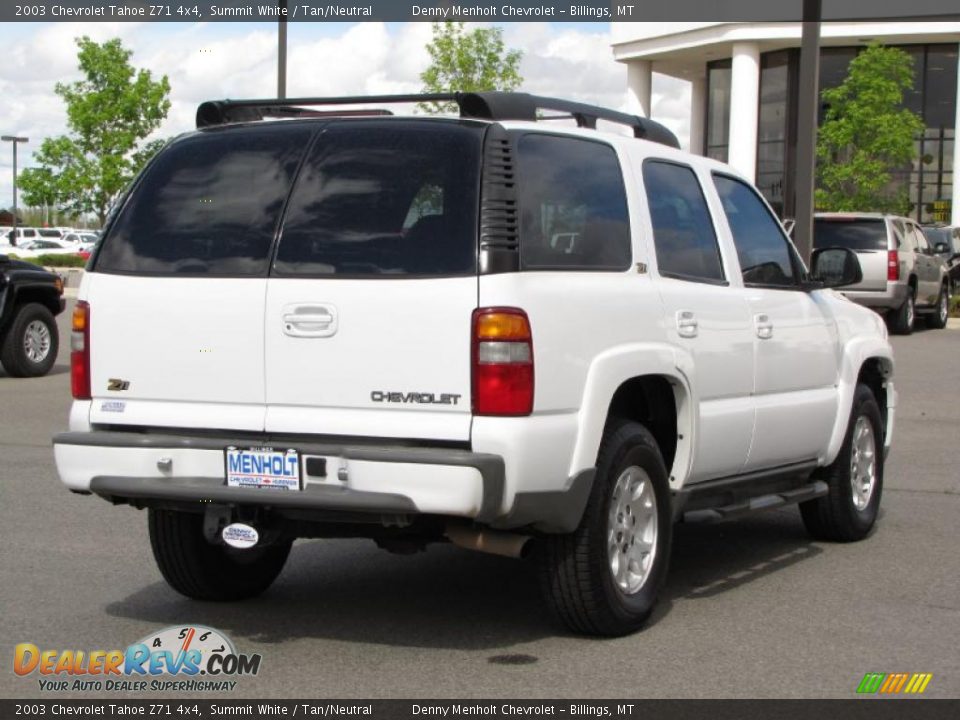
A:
(902, 275)
(491, 330)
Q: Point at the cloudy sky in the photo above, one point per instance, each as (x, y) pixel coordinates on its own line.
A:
(215, 60)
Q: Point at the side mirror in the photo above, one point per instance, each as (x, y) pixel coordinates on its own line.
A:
(835, 267)
(941, 248)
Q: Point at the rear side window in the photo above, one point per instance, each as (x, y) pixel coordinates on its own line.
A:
(762, 248)
(388, 198)
(865, 234)
(573, 205)
(683, 234)
(209, 204)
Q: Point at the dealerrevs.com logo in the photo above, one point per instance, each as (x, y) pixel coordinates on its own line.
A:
(180, 658)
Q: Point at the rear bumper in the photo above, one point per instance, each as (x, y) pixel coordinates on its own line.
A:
(889, 299)
(153, 469)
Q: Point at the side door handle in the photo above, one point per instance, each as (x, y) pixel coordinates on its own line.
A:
(764, 326)
(687, 326)
(309, 320)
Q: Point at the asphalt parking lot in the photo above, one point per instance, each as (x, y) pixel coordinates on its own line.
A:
(751, 608)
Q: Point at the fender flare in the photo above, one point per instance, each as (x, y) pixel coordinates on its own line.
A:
(613, 368)
(855, 353)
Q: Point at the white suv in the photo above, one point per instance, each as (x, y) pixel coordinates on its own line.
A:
(494, 330)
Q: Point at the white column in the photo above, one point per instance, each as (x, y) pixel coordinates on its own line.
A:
(955, 211)
(698, 115)
(639, 86)
(744, 108)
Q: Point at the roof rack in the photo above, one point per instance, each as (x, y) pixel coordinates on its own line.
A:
(480, 105)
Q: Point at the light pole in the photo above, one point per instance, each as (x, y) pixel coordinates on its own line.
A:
(15, 140)
(282, 52)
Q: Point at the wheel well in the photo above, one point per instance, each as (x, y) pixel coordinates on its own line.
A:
(46, 297)
(649, 401)
(873, 373)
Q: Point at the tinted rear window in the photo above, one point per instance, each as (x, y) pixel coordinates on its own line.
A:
(388, 198)
(208, 205)
(850, 234)
(573, 205)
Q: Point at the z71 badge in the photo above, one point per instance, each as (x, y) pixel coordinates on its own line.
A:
(415, 397)
(116, 384)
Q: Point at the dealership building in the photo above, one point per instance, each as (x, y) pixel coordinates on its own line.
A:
(744, 88)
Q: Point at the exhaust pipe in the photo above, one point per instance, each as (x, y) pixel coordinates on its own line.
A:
(494, 542)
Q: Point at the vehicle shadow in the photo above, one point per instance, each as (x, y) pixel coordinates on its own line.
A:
(55, 370)
(349, 590)
(449, 598)
(714, 558)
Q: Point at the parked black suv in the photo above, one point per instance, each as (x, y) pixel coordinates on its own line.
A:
(30, 298)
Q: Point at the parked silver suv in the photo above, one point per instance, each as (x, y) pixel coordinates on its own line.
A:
(902, 276)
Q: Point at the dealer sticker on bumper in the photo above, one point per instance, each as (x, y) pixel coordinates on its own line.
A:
(263, 467)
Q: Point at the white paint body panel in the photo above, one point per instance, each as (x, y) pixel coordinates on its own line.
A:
(191, 349)
(391, 335)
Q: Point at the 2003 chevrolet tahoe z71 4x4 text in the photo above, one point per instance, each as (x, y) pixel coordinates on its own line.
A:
(493, 330)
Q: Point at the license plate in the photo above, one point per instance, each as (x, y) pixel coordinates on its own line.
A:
(263, 467)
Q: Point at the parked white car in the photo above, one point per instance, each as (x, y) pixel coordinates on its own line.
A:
(492, 330)
(43, 247)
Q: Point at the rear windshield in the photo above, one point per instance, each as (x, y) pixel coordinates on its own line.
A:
(209, 204)
(867, 234)
(392, 197)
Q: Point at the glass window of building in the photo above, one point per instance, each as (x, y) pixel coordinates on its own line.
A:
(772, 130)
(718, 110)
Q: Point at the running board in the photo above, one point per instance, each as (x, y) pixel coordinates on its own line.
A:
(816, 489)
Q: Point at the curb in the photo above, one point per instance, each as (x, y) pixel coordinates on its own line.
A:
(953, 324)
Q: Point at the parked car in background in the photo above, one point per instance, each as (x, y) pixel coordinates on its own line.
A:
(946, 244)
(50, 233)
(86, 249)
(24, 235)
(30, 298)
(81, 238)
(43, 247)
(902, 276)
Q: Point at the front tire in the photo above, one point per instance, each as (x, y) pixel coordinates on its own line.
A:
(203, 571)
(604, 578)
(855, 479)
(32, 342)
(938, 320)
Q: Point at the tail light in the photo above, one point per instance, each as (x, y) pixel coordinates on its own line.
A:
(893, 265)
(502, 362)
(80, 352)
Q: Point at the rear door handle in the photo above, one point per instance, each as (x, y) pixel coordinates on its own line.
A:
(309, 320)
(764, 326)
(687, 326)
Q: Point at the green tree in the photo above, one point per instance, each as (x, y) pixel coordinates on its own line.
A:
(867, 133)
(468, 62)
(109, 115)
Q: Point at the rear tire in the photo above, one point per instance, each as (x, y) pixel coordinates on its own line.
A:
(849, 510)
(938, 319)
(32, 342)
(204, 571)
(603, 578)
(902, 319)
